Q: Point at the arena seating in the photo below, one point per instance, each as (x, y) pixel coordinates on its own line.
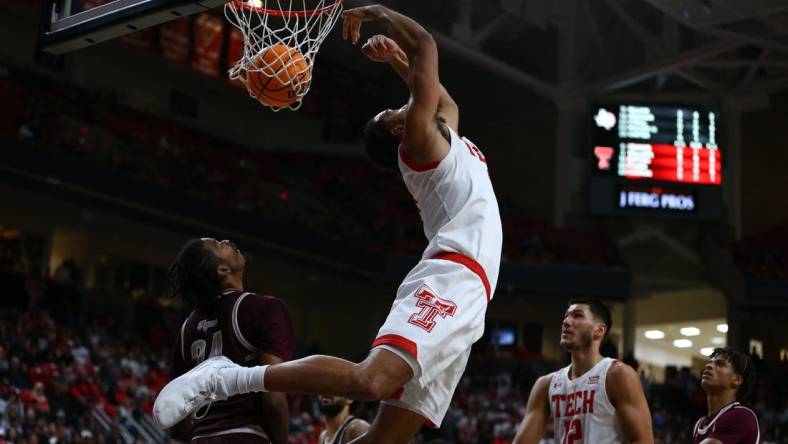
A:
(335, 197)
(76, 380)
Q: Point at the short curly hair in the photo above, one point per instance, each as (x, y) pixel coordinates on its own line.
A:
(380, 145)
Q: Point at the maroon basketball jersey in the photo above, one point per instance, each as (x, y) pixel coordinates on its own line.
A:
(733, 424)
(244, 326)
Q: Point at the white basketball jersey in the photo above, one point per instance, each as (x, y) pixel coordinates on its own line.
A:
(458, 205)
(582, 412)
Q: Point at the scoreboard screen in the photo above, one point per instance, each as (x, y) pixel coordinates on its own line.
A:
(658, 143)
(656, 160)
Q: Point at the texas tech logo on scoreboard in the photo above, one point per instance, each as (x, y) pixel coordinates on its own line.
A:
(431, 307)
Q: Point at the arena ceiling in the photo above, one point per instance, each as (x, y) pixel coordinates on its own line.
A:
(598, 47)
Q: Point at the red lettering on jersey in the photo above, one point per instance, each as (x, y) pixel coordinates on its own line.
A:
(573, 431)
(557, 404)
(579, 402)
(588, 401)
(431, 307)
(570, 405)
(476, 152)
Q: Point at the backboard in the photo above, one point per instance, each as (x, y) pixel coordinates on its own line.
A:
(69, 25)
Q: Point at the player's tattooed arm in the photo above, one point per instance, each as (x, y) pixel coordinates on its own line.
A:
(537, 412)
(626, 394)
(276, 416)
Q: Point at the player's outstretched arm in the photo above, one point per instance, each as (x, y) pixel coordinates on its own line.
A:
(626, 394)
(423, 141)
(536, 413)
(276, 415)
(380, 48)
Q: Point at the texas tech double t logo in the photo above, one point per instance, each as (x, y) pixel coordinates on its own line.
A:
(431, 306)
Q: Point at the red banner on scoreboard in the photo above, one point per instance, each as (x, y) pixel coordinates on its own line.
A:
(684, 165)
(174, 40)
(207, 44)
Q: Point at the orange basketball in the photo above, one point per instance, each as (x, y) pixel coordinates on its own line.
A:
(282, 75)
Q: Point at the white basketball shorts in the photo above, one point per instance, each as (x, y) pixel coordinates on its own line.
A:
(436, 317)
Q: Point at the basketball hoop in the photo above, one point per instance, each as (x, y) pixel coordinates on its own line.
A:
(298, 24)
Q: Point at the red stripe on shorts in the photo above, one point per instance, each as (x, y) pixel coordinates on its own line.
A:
(471, 265)
(399, 342)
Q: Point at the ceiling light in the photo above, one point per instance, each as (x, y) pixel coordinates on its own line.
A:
(722, 328)
(717, 340)
(707, 351)
(690, 331)
(654, 334)
(682, 343)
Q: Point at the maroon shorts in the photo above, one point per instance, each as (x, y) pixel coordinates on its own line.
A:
(232, 438)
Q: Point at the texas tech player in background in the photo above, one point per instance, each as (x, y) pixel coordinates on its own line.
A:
(595, 399)
(725, 378)
(247, 328)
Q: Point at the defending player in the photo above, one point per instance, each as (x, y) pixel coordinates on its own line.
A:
(593, 400)
(421, 351)
(725, 379)
(247, 328)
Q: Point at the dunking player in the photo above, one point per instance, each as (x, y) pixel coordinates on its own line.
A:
(726, 378)
(593, 400)
(422, 349)
(247, 328)
(341, 426)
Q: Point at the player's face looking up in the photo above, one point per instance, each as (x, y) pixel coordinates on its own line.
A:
(383, 135)
(393, 120)
(227, 254)
(719, 374)
(579, 328)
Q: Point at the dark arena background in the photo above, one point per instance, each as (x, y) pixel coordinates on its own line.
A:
(638, 149)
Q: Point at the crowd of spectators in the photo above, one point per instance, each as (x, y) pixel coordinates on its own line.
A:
(490, 403)
(61, 373)
(336, 197)
(57, 380)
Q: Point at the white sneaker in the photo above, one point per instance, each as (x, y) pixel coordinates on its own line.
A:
(187, 393)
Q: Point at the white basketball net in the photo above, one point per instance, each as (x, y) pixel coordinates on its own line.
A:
(300, 24)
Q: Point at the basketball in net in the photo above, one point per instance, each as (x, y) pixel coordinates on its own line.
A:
(280, 76)
(281, 41)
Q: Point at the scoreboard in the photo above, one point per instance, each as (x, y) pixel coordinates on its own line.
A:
(656, 159)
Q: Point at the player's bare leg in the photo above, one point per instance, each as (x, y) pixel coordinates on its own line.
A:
(378, 376)
(392, 425)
